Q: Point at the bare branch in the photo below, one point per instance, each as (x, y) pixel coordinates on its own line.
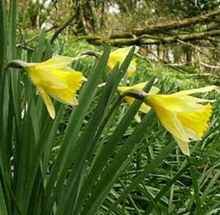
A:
(24, 43)
(204, 18)
(149, 39)
(61, 28)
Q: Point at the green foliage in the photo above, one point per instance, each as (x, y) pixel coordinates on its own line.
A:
(190, 8)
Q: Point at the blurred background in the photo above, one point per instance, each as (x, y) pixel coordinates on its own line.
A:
(181, 34)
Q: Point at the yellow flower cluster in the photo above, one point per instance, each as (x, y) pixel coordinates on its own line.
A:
(180, 113)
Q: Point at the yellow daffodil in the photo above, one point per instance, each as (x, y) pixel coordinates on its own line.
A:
(54, 78)
(119, 55)
(144, 108)
(182, 115)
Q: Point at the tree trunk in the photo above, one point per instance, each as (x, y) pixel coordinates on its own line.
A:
(85, 17)
(188, 52)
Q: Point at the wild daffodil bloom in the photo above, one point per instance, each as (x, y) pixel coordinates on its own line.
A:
(119, 55)
(144, 108)
(54, 78)
(182, 114)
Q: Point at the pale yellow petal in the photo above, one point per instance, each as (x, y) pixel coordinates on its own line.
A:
(47, 101)
(102, 84)
(137, 118)
(184, 146)
(57, 62)
(124, 51)
(73, 102)
(170, 121)
(136, 86)
(56, 79)
(153, 90)
(193, 121)
(129, 100)
(174, 102)
(198, 90)
(84, 79)
(119, 55)
(144, 108)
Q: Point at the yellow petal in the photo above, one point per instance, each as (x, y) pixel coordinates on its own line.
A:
(174, 102)
(184, 146)
(132, 68)
(47, 101)
(57, 62)
(124, 51)
(129, 100)
(119, 55)
(73, 102)
(137, 118)
(198, 90)
(144, 108)
(43, 76)
(50, 72)
(153, 90)
(170, 121)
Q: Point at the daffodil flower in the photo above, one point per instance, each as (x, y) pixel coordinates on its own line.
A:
(54, 78)
(144, 108)
(182, 114)
(119, 55)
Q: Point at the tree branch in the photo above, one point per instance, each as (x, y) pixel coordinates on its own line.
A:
(204, 18)
(61, 28)
(149, 39)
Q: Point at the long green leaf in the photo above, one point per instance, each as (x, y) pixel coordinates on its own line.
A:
(196, 188)
(109, 148)
(14, 73)
(3, 208)
(119, 163)
(86, 144)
